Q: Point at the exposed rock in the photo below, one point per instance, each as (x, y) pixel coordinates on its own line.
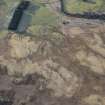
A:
(95, 99)
(59, 79)
(21, 48)
(95, 63)
(59, 60)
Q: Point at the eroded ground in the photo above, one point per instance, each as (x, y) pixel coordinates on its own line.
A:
(63, 64)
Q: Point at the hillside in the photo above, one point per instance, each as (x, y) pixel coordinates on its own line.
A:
(58, 60)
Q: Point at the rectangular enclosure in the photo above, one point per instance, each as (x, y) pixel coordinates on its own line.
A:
(18, 14)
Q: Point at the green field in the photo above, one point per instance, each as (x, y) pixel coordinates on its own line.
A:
(80, 6)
